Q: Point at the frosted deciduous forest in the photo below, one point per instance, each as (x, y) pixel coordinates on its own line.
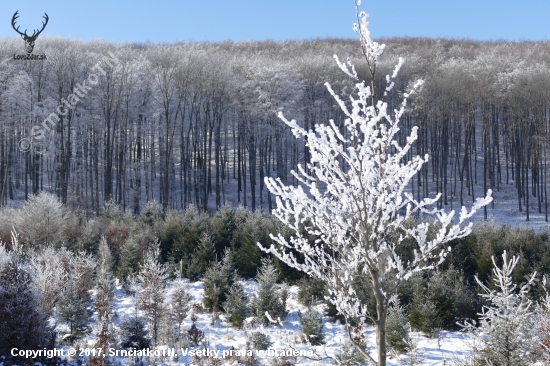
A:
(196, 123)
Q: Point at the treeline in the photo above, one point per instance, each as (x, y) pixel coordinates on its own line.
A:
(195, 123)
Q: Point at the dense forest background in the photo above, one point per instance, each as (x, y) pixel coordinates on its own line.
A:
(196, 123)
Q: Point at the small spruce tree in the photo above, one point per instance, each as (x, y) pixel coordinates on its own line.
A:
(180, 304)
(73, 310)
(218, 279)
(397, 329)
(103, 305)
(312, 328)
(267, 298)
(504, 335)
(152, 278)
(129, 260)
(133, 333)
(236, 305)
(22, 324)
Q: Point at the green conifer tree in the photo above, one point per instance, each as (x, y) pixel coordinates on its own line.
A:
(236, 305)
(73, 310)
(267, 297)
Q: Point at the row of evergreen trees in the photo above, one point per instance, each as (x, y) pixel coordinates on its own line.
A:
(46, 272)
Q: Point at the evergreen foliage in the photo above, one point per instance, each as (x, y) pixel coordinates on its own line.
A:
(260, 341)
(133, 333)
(311, 290)
(251, 228)
(505, 334)
(312, 328)
(73, 310)
(129, 260)
(223, 228)
(397, 329)
(236, 306)
(199, 261)
(267, 297)
(424, 315)
(152, 278)
(217, 281)
(21, 322)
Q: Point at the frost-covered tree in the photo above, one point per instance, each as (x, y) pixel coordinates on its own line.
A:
(267, 298)
(217, 282)
(152, 278)
(180, 304)
(542, 324)
(105, 255)
(352, 197)
(236, 306)
(504, 335)
(103, 305)
(41, 219)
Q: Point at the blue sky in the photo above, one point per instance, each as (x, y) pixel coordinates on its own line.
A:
(217, 20)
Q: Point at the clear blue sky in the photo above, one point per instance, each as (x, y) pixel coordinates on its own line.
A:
(216, 20)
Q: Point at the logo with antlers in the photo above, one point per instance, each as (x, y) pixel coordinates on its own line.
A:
(29, 40)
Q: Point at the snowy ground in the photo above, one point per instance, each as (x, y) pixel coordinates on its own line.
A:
(221, 336)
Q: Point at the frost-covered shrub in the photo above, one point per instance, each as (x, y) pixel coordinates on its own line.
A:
(236, 306)
(312, 328)
(348, 355)
(260, 341)
(152, 213)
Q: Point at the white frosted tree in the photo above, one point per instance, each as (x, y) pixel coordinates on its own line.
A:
(152, 278)
(352, 197)
(505, 334)
(41, 219)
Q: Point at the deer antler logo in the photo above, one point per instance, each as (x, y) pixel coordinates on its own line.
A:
(29, 40)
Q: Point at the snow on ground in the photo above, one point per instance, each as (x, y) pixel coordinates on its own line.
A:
(221, 336)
